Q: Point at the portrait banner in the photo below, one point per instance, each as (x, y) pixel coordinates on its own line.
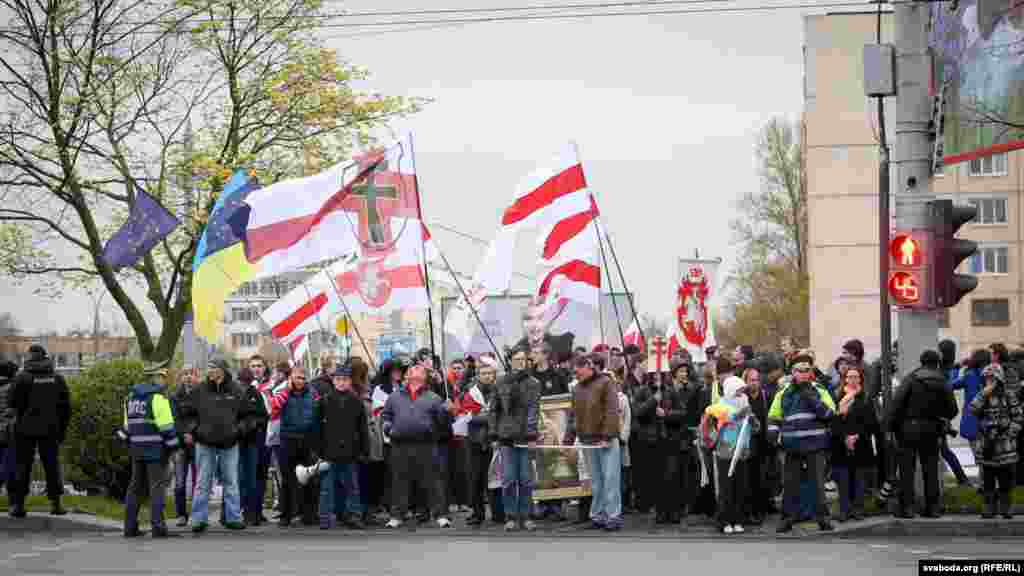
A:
(557, 472)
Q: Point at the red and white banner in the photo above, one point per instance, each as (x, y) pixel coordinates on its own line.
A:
(696, 306)
(633, 337)
(347, 209)
(555, 201)
(658, 355)
(373, 284)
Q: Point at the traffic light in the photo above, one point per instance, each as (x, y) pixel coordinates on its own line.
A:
(909, 278)
(948, 252)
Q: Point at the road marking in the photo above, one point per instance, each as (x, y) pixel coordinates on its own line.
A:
(26, 555)
(879, 546)
(48, 549)
(917, 551)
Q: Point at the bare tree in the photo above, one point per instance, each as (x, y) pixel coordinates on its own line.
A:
(97, 95)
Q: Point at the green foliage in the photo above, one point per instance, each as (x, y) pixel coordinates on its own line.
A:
(769, 289)
(93, 458)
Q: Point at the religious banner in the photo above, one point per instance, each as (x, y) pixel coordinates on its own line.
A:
(556, 470)
(657, 355)
(696, 306)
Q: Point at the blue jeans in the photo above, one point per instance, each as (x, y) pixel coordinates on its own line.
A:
(850, 481)
(517, 489)
(7, 464)
(339, 483)
(606, 485)
(223, 461)
(183, 462)
(249, 487)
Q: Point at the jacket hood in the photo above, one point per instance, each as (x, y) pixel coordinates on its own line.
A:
(41, 366)
(148, 388)
(931, 377)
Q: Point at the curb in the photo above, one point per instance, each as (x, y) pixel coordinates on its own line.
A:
(947, 526)
(71, 523)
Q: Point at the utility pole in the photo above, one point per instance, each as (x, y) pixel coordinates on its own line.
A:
(193, 356)
(919, 330)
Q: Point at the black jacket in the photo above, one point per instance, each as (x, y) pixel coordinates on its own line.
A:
(256, 416)
(344, 430)
(552, 381)
(478, 426)
(41, 401)
(920, 405)
(645, 425)
(759, 407)
(216, 415)
(860, 420)
(6, 419)
(180, 397)
(515, 409)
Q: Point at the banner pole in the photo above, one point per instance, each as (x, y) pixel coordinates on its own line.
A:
(351, 320)
(615, 305)
(423, 247)
(622, 277)
(458, 284)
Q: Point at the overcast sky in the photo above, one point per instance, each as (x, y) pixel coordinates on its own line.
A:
(665, 110)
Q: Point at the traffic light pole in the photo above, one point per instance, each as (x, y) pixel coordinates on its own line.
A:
(918, 330)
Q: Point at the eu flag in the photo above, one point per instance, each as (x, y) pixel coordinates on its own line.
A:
(148, 223)
(222, 229)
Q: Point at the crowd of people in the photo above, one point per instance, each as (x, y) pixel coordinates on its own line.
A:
(415, 442)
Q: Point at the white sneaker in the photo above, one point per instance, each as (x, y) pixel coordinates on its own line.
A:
(443, 523)
(737, 528)
(511, 526)
(530, 525)
(727, 529)
(394, 523)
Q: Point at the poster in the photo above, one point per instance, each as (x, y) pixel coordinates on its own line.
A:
(979, 50)
(556, 473)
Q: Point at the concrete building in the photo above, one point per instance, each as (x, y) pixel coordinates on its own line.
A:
(841, 168)
(71, 354)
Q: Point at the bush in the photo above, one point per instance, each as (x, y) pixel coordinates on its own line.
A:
(94, 459)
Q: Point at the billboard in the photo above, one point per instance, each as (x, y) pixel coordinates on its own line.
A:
(394, 343)
(501, 315)
(609, 322)
(978, 50)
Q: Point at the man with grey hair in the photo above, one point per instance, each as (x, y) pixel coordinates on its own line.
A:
(185, 459)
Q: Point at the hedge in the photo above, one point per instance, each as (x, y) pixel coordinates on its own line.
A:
(94, 460)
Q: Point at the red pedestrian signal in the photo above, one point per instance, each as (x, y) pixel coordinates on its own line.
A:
(906, 251)
(905, 288)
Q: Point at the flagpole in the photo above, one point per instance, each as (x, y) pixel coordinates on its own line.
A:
(351, 320)
(622, 277)
(615, 305)
(501, 357)
(423, 246)
(309, 296)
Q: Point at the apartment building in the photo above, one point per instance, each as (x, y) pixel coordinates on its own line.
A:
(841, 170)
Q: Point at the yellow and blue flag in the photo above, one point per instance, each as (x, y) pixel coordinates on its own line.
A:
(220, 266)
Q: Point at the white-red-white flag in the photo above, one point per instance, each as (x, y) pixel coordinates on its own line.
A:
(633, 337)
(348, 208)
(297, 346)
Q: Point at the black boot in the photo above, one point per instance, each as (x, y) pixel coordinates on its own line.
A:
(17, 508)
(56, 509)
(989, 511)
(1004, 504)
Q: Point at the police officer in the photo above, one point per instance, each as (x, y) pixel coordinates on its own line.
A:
(42, 408)
(149, 428)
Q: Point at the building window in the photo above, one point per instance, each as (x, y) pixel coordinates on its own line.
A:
(243, 314)
(990, 312)
(994, 165)
(990, 210)
(991, 260)
(268, 288)
(243, 340)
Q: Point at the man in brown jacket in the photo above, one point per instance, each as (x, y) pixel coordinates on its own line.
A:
(594, 420)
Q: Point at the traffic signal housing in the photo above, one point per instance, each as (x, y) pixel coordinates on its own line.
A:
(910, 279)
(948, 252)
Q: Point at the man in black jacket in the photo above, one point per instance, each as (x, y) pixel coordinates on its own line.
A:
(42, 407)
(476, 401)
(514, 421)
(185, 459)
(215, 416)
(252, 444)
(920, 405)
(344, 443)
(8, 370)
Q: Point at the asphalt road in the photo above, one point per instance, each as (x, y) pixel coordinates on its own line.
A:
(309, 553)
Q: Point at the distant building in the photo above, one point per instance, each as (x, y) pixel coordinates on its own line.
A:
(71, 354)
(841, 170)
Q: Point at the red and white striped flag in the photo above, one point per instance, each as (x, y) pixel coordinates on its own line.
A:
(297, 346)
(633, 336)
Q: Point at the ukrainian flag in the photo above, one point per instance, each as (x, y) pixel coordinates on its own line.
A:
(220, 266)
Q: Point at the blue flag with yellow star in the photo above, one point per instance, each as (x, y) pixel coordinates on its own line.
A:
(148, 223)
